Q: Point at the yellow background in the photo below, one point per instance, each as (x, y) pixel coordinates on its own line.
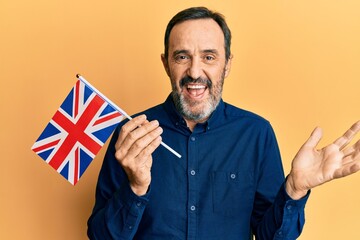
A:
(296, 63)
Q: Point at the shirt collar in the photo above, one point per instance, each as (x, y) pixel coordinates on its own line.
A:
(215, 119)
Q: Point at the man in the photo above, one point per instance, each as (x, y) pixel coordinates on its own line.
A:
(229, 183)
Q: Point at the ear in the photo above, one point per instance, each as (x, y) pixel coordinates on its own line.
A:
(165, 64)
(228, 66)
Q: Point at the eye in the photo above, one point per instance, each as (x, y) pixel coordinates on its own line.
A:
(209, 58)
(182, 58)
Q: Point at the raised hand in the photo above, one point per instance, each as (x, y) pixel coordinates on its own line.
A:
(312, 167)
(134, 148)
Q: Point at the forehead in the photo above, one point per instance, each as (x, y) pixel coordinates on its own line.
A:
(197, 34)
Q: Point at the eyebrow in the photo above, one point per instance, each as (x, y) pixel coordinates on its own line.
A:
(214, 51)
(183, 51)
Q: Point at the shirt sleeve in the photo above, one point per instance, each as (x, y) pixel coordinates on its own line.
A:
(117, 211)
(275, 215)
(292, 214)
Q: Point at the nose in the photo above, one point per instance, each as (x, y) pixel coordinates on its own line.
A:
(195, 68)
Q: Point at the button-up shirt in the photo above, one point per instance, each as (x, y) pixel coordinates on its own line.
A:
(228, 184)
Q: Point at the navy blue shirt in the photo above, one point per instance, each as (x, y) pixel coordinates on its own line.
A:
(228, 184)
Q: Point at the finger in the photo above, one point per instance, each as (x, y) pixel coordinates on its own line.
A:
(314, 138)
(344, 140)
(129, 127)
(142, 143)
(139, 138)
(349, 168)
(145, 131)
(350, 150)
(151, 147)
(144, 157)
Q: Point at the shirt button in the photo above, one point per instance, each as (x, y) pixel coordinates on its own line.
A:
(192, 208)
(138, 204)
(193, 139)
(280, 233)
(130, 227)
(233, 176)
(289, 208)
(192, 172)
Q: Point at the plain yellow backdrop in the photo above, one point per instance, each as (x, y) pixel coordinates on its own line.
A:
(297, 63)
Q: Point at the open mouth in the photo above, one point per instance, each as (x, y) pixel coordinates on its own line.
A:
(196, 90)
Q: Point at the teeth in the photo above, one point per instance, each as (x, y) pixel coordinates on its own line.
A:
(195, 86)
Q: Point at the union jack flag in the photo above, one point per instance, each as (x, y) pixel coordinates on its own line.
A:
(77, 131)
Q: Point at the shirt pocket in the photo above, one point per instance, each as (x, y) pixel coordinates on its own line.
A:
(233, 193)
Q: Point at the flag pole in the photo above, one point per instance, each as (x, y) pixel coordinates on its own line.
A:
(81, 78)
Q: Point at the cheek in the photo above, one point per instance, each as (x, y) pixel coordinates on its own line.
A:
(175, 77)
(174, 84)
(217, 80)
(215, 72)
(178, 71)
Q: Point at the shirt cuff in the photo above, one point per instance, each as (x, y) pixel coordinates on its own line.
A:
(134, 205)
(128, 198)
(292, 211)
(301, 202)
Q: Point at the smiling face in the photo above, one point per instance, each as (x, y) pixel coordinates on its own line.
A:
(197, 67)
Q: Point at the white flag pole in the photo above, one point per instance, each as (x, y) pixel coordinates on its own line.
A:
(81, 78)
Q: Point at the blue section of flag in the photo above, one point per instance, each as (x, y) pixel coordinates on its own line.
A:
(104, 133)
(87, 93)
(44, 155)
(68, 103)
(85, 161)
(107, 110)
(49, 131)
(65, 171)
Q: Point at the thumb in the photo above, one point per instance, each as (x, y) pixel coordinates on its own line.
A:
(314, 138)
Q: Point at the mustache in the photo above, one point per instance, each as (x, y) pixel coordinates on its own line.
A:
(187, 79)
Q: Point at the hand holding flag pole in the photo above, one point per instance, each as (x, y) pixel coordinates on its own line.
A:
(81, 78)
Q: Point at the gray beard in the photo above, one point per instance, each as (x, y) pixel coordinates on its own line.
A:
(184, 106)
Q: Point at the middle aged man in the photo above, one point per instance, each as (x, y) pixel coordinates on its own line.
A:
(229, 181)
